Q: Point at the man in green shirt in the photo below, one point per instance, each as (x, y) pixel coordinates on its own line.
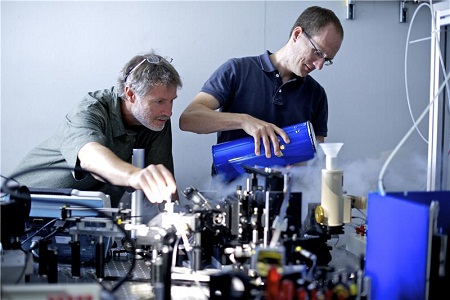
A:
(92, 149)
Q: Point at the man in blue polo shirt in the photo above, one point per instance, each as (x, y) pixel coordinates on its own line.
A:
(259, 95)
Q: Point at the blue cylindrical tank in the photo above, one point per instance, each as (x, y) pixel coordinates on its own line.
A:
(229, 157)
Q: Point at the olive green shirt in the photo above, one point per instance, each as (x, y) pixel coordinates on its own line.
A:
(97, 118)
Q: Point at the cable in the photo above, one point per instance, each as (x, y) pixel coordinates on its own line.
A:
(175, 252)
(361, 212)
(99, 211)
(7, 179)
(406, 59)
(8, 189)
(178, 226)
(279, 222)
(55, 231)
(364, 221)
(287, 195)
(406, 72)
(22, 273)
(40, 229)
(381, 188)
(403, 140)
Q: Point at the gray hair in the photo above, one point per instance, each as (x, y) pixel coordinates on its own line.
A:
(315, 18)
(145, 71)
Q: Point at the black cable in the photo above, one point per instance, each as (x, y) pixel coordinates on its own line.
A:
(9, 178)
(363, 219)
(8, 190)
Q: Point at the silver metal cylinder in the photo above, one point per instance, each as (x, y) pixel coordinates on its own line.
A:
(137, 197)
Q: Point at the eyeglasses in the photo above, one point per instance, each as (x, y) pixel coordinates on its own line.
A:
(319, 53)
(151, 60)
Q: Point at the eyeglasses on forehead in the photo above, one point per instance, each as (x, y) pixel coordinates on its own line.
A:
(151, 60)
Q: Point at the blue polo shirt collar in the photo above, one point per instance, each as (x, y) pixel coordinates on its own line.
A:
(268, 67)
(266, 64)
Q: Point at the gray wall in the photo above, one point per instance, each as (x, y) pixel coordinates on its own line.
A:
(52, 53)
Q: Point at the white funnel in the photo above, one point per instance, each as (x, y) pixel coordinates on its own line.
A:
(331, 151)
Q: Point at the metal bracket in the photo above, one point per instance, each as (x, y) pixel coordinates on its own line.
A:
(403, 12)
(350, 9)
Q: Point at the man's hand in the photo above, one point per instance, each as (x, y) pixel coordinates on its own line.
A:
(267, 132)
(200, 116)
(155, 181)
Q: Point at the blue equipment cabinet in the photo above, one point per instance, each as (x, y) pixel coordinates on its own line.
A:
(407, 254)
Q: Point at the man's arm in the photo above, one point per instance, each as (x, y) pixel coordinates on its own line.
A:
(156, 181)
(200, 116)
